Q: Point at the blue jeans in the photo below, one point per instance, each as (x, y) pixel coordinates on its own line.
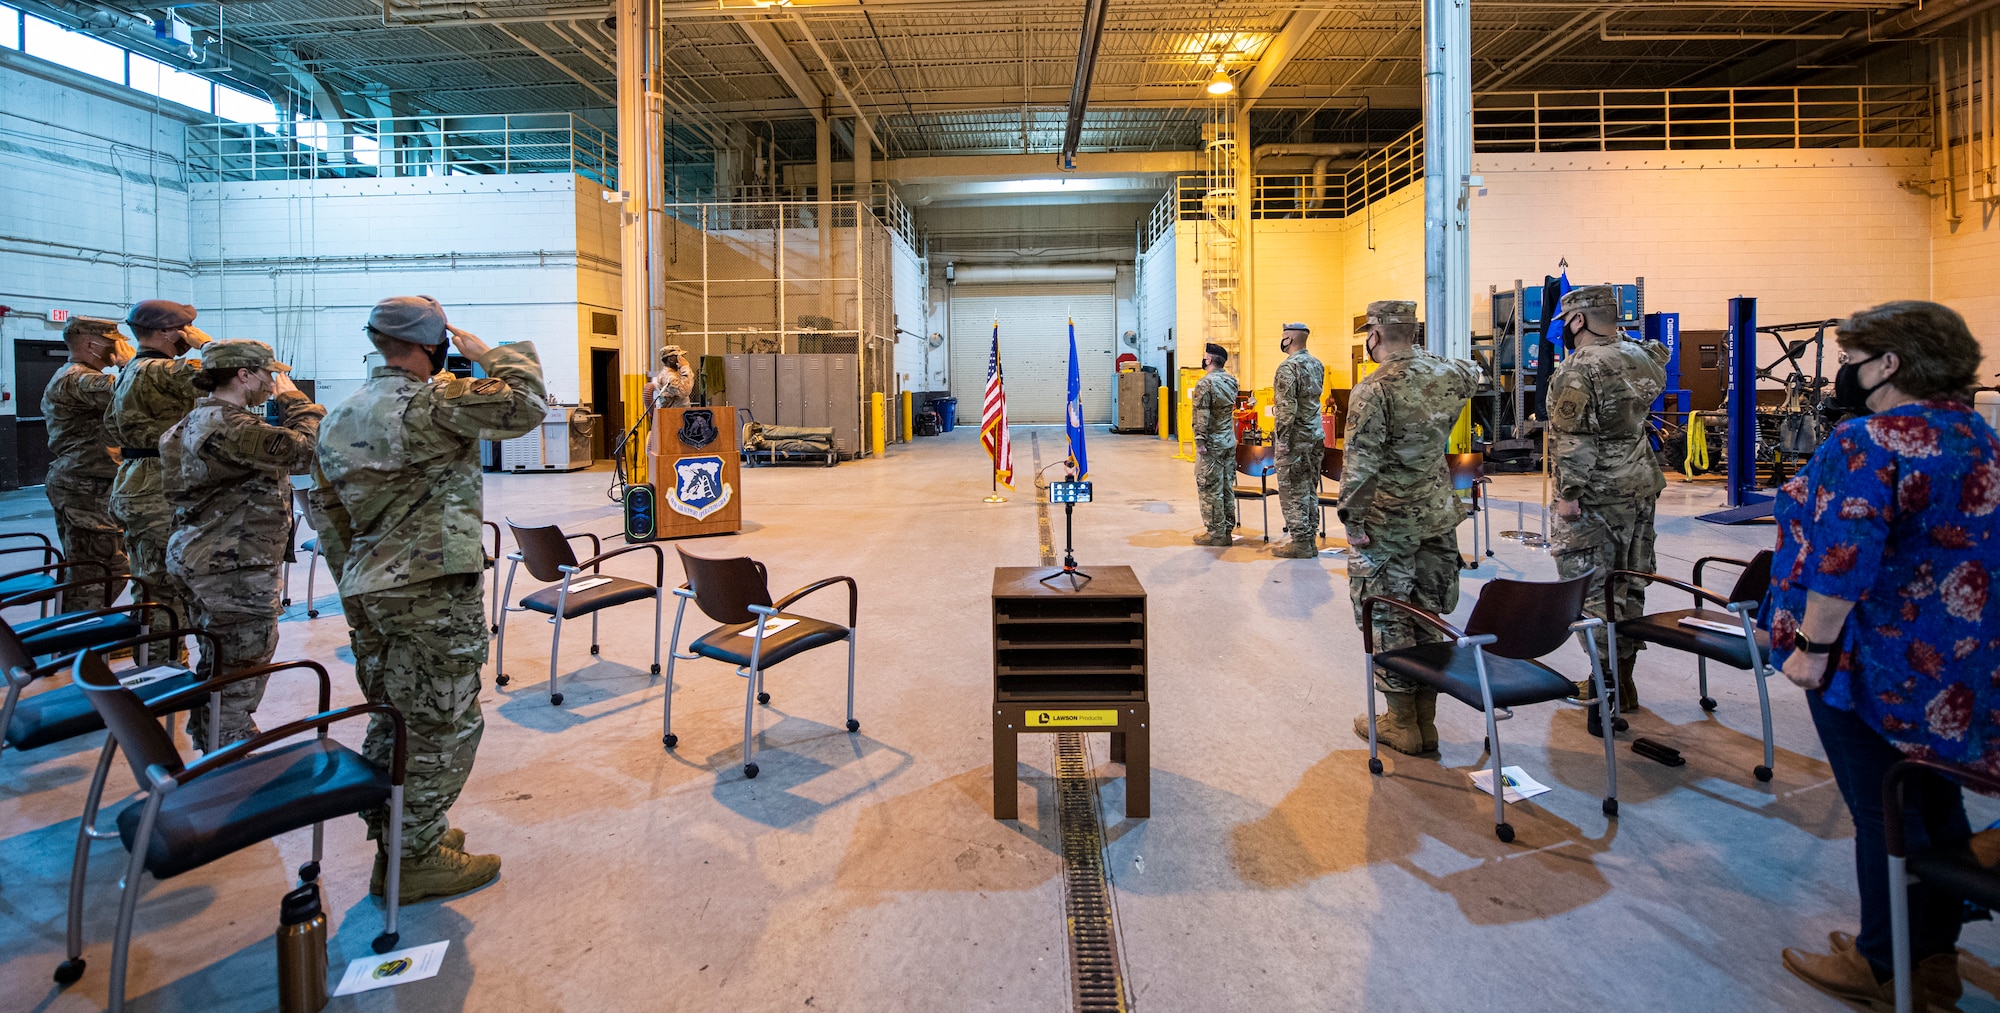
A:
(1861, 758)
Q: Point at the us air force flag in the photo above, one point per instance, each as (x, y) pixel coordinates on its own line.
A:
(1079, 463)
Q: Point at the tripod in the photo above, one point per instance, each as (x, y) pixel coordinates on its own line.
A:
(1077, 578)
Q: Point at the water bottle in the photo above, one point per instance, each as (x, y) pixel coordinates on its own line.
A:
(301, 952)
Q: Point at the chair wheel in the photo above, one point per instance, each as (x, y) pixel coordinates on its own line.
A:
(749, 770)
(284, 603)
(1763, 773)
(670, 740)
(1620, 724)
(1610, 807)
(385, 942)
(1504, 831)
(593, 648)
(308, 872)
(69, 971)
(502, 679)
(312, 613)
(853, 725)
(555, 698)
(495, 628)
(1707, 704)
(763, 698)
(1374, 765)
(656, 669)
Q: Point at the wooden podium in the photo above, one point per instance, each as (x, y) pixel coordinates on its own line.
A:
(697, 472)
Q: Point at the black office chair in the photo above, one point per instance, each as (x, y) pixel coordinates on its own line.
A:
(737, 593)
(493, 565)
(1743, 646)
(22, 582)
(1952, 868)
(1491, 664)
(31, 721)
(1330, 459)
(1259, 461)
(310, 545)
(546, 553)
(185, 818)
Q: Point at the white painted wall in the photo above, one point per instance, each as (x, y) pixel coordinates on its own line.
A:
(1158, 311)
(907, 274)
(1965, 260)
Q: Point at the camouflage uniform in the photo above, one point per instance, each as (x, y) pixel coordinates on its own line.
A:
(398, 494)
(1599, 456)
(80, 474)
(1300, 439)
(1395, 490)
(153, 392)
(227, 474)
(1215, 451)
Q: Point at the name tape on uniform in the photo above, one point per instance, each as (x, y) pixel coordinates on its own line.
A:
(1072, 718)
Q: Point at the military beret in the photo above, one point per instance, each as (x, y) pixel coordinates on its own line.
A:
(87, 326)
(239, 353)
(417, 319)
(1389, 311)
(1221, 354)
(1590, 297)
(1301, 328)
(160, 315)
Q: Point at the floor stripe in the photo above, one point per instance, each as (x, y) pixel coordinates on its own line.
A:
(1097, 982)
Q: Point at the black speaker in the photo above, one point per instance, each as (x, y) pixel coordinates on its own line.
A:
(641, 523)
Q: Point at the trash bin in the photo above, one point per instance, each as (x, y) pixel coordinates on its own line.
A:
(947, 409)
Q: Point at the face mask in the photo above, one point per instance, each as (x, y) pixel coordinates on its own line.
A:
(438, 353)
(1373, 351)
(1848, 394)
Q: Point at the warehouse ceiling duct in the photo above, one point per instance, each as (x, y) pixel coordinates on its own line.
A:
(1079, 90)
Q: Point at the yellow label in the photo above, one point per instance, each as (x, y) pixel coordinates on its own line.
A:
(1072, 719)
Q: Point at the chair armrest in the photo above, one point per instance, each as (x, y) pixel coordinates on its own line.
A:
(763, 610)
(49, 555)
(70, 618)
(236, 751)
(1703, 562)
(596, 544)
(46, 541)
(1423, 615)
(180, 699)
(659, 560)
(42, 594)
(50, 667)
(496, 536)
(1701, 594)
(853, 596)
(1586, 623)
(684, 591)
(1892, 794)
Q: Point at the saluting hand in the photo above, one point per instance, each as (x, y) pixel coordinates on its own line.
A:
(468, 343)
(281, 383)
(1569, 509)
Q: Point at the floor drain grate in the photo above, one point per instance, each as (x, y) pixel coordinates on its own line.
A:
(1095, 980)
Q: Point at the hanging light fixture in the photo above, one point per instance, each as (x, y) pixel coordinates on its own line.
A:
(1220, 84)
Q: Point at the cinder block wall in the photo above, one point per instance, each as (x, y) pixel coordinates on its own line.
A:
(1965, 258)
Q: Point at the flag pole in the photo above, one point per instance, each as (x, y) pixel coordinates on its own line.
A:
(995, 497)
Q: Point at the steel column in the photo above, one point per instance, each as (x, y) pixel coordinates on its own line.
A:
(1447, 173)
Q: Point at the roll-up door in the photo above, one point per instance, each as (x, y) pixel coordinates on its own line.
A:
(1034, 347)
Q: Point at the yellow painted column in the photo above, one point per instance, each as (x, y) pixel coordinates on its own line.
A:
(1166, 407)
(635, 451)
(909, 416)
(878, 422)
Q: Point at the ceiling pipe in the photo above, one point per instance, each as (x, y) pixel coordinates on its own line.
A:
(1929, 17)
(1263, 151)
(1088, 39)
(1570, 31)
(1604, 33)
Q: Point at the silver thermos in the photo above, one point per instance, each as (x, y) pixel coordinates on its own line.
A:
(301, 952)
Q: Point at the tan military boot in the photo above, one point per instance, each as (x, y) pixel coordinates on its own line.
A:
(1397, 728)
(1628, 690)
(1427, 712)
(1296, 549)
(1212, 538)
(453, 839)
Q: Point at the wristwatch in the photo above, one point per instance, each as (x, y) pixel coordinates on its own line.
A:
(1805, 645)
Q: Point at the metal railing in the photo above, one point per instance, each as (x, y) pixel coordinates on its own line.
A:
(1342, 193)
(1816, 116)
(404, 146)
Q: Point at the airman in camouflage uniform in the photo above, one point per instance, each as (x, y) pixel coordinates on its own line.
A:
(1397, 503)
(1604, 474)
(154, 391)
(399, 494)
(228, 477)
(81, 466)
(1214, 434)
(1300, 440)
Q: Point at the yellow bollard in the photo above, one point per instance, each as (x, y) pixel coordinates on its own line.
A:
(909, 416)
(1165, 407)
(878, 423)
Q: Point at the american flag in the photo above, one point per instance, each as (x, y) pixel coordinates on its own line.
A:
(993, 418)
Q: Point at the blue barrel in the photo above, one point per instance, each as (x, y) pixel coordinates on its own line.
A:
(947, 409)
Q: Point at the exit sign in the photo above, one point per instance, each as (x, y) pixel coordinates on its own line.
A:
(58, 316)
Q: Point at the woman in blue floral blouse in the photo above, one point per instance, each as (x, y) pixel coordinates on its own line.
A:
(1879, 608)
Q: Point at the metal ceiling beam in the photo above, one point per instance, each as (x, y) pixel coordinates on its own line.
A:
(550, 57)
(1552, 43)
(862, 126)
(765, 37)
(1298, 29)
(1088, 39)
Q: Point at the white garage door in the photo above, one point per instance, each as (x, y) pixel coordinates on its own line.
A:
(1034, 348)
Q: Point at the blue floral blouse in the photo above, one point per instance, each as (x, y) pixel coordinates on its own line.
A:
(1897, 513)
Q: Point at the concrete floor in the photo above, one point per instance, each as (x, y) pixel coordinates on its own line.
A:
(865, 872)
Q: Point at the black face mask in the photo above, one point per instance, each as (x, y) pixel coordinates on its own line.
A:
(1848, 394)
(437, 354)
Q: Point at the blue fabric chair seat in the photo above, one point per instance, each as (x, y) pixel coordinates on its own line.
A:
(1451, 670)
(614, 591)
(256, 799)
(58, 715)
(732, 643)
(56, 636)
(27, 583)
